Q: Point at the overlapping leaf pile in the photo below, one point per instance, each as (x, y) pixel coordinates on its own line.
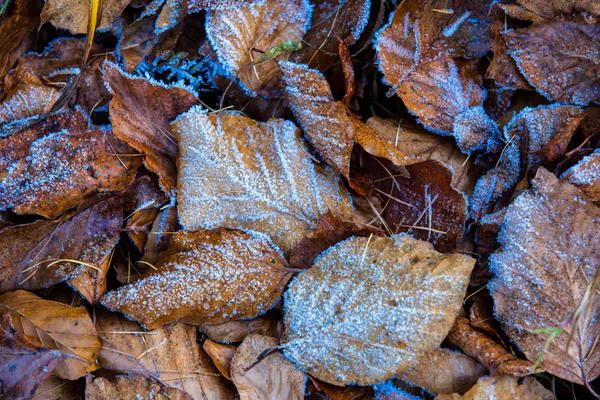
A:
(261, 199)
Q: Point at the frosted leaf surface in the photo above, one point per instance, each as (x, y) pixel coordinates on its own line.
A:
(323, 120)
(235, 172)
(549, 255)
(130, 387)
(206, 277)
(73, 15)
(368, 309)
(560, 59)
(28, 98)
(586, 175)
(504, 387)
(555, 8)
(236, 34)
(273, 377)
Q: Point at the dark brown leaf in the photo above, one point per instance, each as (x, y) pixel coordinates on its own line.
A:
(131, 387)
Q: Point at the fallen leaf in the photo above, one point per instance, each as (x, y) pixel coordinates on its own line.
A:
(140, 112)
(29, 253)
(540, 277)
(261, 373)
(130, 387)
(27, 98)
(206, 277)
(503, 387)
(259, 176)
(221, 354)
(558, 59)
(236, 331)
(340, 392)
(241, 35)
(390, 391)
(556, 8)
(586, 175)
(24, 363)
(169, 355)
(55, 388)
(73, 15)
(56, 327)
(370, 306)
(489, 353)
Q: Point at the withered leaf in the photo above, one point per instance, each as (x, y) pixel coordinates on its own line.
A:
(206, 277)
(241, 35)
(221, 354)
(444, 371)
(25, 364)
(170, 355)
(261, 376)
(503, 387)
(236, 331)
(28, 252)
(239, 173)
(557, 8)
(73, 15)
(559, 59)
(140, 112)
(131, 387)
(586, 175)
(55, 326)
(55, 388)
(27, 98)
(370, 306)
(541, 272)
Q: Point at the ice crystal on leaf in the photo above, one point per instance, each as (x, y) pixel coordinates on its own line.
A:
(586, 175)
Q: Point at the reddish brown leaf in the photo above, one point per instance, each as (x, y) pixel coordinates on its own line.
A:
(221, 354)
(140, 112)
(236, 331)
(586, 175)
(73, 15)
(27, 98)
(348, 69)
(131, 387)
(504, 387)
(341, 392)
(55, 388)
(553, 9)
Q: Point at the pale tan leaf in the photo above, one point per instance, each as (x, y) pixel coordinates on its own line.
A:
(548, 256)
(73, 14)
(235, 172)
(586, 175)
(236, 331)
(261, 376)
(221, 354)
(169, 354)
(552, 9)
(55, 388)
(55, 326)
(131, 387)
(241, 35)
(206, 277)
(370, 307)
(503, 387)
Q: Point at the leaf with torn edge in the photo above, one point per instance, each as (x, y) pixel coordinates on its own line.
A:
(131, 387)
(371, 306)
(235, 172)
(73, 15)
(259, 375)
(169, 355)
(504, 387)
(206, 277)
(547, 259)
(55, 326)
(140, 112)
(241, 35)
(586, 175)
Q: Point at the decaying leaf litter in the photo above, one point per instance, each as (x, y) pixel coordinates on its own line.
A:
(339, 199)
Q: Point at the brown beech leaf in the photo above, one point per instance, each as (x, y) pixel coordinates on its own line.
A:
(331, 19)
(559, 59)
(235, 172)
(86, 236)
(206, 277)
(63, 167)
(443, 371)
(236, 331)
(170, 355)
(322, 119)
(27, 98)
(340, 392)
(241, 35)
(556, 8)
(503, 387)
(221, 354)
(140, 112)
(371, 306)
(262, 373)
(489, 353)
(25, 363)
(73, 15)
(541, 272)
(131, 387)
(55, 388)
(55, 326)
(586, 175)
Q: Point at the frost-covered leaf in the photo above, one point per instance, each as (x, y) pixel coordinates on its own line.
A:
(63, 167)
(323, 120)
(586, 175)
(27, 98)
(504, 387)
(548, 256)
(28, 252)
(55, 326)
(559, 59)
(169, 355)
(140, 112)
(552, 9)
(131, 387)
(262, 377)
(444, 371)
(235, 172)
(206, 277)
(221, 354)
(236, 331)
(388, 391)
(371, 306)
(73, 14)
(243, 34)
(25, 363)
